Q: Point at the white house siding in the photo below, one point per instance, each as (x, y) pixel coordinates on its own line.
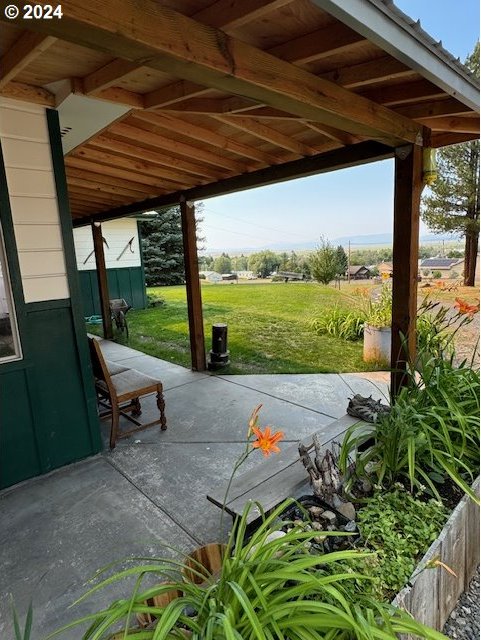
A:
(117, 233)
(33, 200)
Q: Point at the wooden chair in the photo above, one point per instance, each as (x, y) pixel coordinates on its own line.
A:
(117, 385)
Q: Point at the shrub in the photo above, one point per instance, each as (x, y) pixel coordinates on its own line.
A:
(400, 528)
(153, 300)
(437, 274)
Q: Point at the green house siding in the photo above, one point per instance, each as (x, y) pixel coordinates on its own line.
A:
(48, 414)
(126, 282)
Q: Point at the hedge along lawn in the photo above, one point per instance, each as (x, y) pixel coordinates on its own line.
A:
(268, 328)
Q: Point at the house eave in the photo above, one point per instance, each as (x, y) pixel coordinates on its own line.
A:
(386, 26)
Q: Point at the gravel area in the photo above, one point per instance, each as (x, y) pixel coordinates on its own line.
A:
(463, 623)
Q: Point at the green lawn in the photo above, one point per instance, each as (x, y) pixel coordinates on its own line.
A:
(268, 328)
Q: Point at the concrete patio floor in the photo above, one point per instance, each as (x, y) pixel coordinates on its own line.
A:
(58, 529)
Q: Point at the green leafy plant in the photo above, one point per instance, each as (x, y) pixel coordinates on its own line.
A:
(27, 630)
(432, 431)
(268, 588)
(400, 528)
(340, 323)
(379, 308)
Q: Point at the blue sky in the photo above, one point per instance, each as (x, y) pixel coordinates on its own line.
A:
(355, 201)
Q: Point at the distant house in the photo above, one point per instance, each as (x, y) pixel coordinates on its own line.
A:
(245, 275)
(359, 272)
(447, 267)
(385, 268)
(211, 276)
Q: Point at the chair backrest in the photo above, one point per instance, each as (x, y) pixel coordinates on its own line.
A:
(99, 367)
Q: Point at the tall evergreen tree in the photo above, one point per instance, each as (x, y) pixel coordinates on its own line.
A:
(162, 247)
(341, 260)
(452, 204)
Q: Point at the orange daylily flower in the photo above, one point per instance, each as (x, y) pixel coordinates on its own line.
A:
(465, 308)
(253, 420)
(266, 441)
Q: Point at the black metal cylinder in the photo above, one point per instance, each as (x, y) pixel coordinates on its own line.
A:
(219, 338)
(219, 354)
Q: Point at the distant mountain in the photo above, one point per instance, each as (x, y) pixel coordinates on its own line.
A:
(386, 238)
(379, 239)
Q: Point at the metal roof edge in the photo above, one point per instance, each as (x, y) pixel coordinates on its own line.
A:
(388, 27)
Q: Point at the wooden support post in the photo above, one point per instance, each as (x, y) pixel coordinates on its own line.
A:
(194, 298)
(102, 280)
(407, 196)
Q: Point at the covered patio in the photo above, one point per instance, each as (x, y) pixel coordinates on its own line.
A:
(59, 529)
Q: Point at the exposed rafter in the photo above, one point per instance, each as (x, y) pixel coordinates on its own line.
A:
(206, 135)
(222, 62)
(27, 93)
(260, 130)
(154, 139)
(330, 40)
(108, 75)
(446, 107)
(161, 158)
(366, 73)
(404, 93)
(453, 124)
(24, 51)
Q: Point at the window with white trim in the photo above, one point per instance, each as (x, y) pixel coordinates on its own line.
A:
(9, 339)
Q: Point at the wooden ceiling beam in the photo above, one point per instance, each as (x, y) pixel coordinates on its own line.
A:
(366, 73)
(404, 93)
(206, 135)
(78, 192)
(173, 93)
(446, 138)
(108, 75)
(135, 165)
(260, 130)
(106, 143)
(232, 14)
(28, 93)
(24, 51)
(437, 108)
(331, 40)
(210, 57)
(96, 182)
(334, 134)
(452, 124)
(156, 140)
(114, 172)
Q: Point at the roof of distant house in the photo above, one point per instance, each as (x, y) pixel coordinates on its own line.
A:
(440, 263)
(355, 268)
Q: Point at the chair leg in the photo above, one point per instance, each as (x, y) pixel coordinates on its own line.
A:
(161, 406)
(115, 425)
(137, 410)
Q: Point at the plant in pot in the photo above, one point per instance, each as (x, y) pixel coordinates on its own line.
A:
(377, 327)
(268, 588)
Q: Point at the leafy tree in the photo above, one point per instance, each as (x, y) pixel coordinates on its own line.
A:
(264, 263)
(324, 262)
(239, 263)
(341, 260)
(223, 264)
(452, 204)
(454, 253)
(162, 247)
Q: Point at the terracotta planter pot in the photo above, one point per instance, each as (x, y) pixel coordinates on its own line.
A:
(377, 345)
(206, 561)
(161, 600)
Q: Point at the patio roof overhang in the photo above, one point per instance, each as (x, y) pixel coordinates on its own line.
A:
(220, 96)
(208, 97)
